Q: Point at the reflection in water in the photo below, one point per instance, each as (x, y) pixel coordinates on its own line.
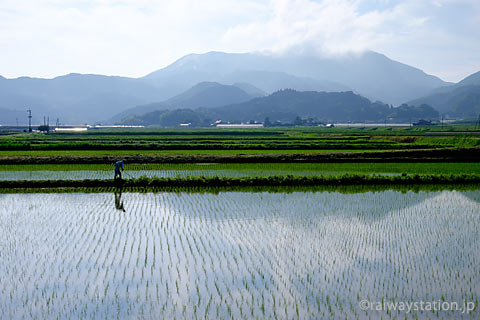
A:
(237, 255)
(118, 200)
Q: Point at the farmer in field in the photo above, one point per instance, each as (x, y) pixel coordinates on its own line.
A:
(118, 167)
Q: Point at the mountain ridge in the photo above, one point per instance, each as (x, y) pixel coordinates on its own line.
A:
(94, 98)
(203, 94)
(458, 100)
(371, 74)
(287, 106)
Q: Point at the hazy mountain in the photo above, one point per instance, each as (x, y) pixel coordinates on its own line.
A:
(76, 98)
(203, 94)
(471, 80)
(168, 118)
(286, 106)
(236, 68)
(251, 90)
(370, 74)
(12, 117)
(325, 106)
(209, 94)
(272, 81)
(459, 100)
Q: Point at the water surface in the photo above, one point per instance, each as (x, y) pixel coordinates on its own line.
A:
(242, 255)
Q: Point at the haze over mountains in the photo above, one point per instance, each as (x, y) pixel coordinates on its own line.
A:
(370, 74)
(73, 98)
(203, 94)
(215, 79)
(459, 100)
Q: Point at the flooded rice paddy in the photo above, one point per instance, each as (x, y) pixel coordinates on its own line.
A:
(237, 255)
(133, 174)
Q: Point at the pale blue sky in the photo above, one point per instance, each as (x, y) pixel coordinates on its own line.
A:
(47, 38)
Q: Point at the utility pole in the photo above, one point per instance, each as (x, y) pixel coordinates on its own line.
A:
(442, 121)
(29, 120)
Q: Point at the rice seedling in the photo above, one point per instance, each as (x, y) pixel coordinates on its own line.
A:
(183, 170)
(241, 255)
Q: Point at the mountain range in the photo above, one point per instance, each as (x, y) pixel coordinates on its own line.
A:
(73, 98)
(77, 98)
(203, 94)
(370, 74)
(289, 106)
(195, 81)
(461, 100)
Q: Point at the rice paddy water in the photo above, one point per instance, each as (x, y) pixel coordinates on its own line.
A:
(237, 255)
(171, 170)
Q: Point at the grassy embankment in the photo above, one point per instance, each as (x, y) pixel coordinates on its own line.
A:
(423, 155)
(272, 181)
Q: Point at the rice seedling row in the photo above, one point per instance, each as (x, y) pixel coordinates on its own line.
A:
(99, 171)
(302, 255)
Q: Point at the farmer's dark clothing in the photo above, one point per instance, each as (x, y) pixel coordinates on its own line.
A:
(118, 166)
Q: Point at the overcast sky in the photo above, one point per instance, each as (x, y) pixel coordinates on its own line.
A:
(47, 38)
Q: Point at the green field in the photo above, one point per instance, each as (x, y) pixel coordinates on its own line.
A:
(233, 153)
(155, 152)
(297, 223)
(68, 172)
(250, 141)
(319, 168)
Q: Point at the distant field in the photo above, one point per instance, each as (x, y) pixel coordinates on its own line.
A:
(153, 152)
(289, 140)
(281, 145)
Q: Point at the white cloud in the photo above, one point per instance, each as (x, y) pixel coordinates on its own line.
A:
(415, 32)
(327, 25)
(48, 38)
(134, 37)
(330, 26)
